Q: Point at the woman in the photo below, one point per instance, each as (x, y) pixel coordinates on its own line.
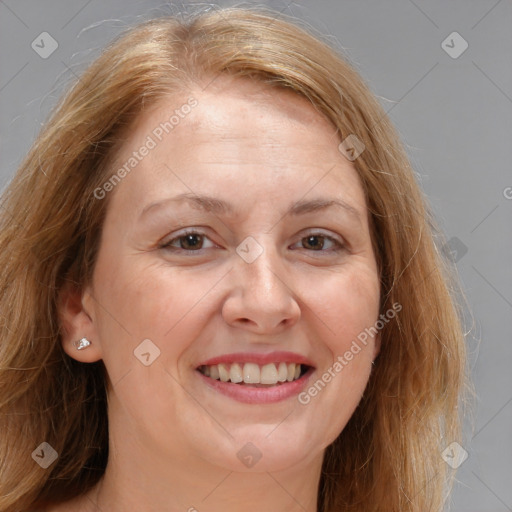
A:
(220, 288)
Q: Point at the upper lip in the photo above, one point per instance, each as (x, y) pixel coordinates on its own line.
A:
(258, 358)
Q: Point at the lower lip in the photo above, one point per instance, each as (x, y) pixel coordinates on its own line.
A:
(252, 395)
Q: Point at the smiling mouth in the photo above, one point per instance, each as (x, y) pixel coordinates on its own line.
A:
(253, 374)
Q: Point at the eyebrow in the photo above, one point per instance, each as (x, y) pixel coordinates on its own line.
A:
(219, 207)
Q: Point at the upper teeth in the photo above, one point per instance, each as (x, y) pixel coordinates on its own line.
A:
(252, 373)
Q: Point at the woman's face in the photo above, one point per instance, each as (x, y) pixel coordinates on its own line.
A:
(235, 245)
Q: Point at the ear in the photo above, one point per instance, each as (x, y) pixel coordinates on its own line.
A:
(77, 321)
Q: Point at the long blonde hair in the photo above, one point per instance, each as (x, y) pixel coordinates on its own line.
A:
(389, 455)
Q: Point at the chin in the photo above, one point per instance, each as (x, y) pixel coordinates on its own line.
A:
(262, 449)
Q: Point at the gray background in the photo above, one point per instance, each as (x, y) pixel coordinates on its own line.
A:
(454, 114)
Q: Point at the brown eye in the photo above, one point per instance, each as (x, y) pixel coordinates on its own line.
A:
(321, 243)
(314, 242)
(191, 241)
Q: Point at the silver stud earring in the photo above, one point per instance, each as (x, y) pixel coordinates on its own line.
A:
(81, 344)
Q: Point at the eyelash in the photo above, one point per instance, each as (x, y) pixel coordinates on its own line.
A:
(339, 246)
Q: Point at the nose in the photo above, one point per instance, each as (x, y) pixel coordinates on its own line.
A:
(261, 297)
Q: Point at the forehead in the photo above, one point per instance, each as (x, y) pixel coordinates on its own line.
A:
(236, 134)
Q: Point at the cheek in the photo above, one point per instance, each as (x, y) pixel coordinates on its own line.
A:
(341, 307)
(167, 306)
(346, 304)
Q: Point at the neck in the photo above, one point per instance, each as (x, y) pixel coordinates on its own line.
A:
(133, 483)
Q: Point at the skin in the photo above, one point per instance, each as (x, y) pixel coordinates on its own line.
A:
(174, 441)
